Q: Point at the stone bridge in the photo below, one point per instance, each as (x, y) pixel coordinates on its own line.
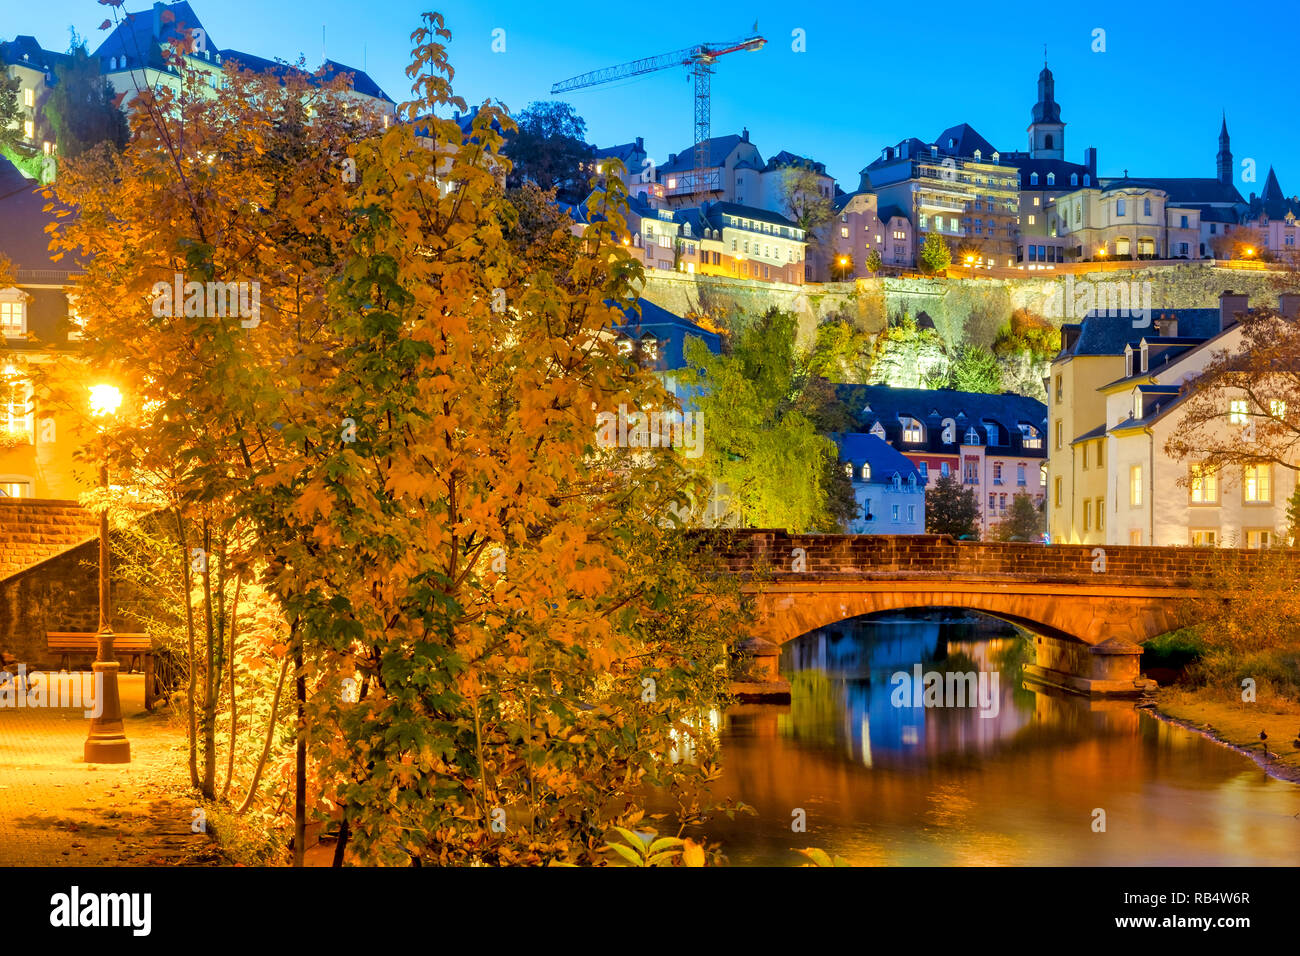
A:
(1090, 608)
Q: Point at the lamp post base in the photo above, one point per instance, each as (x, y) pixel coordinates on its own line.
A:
(107, 742)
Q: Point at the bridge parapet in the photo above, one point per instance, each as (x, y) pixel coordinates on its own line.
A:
(782, 553)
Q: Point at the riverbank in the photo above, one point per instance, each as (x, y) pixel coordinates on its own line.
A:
(1237, 724)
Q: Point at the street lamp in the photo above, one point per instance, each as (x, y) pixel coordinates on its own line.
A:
(106, 742)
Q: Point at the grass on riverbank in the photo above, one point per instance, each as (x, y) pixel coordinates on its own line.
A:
(1238, 723)
(1213, 680)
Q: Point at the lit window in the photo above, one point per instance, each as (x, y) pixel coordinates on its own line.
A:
(29, 97)
(13, 313)
(1238, 412)
(1277, 408)
(1205, 486)
(912, 430)
(15, 486)
(848, 469)
(1135, 485)
(1261, 538)
(1257, 482)
(16, 412)
(1204, 538)
(29, 130)
(866, 471)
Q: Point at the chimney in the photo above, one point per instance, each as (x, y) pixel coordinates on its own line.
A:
(1289, 305)
(640, 143)
(1230, 303)
(1090, 160)
(744, 134)
(157, 18)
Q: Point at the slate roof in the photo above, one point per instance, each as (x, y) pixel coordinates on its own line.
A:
(720, 148)
(863, 448)
(963, 140)
(361, 80)
(23, 50)
(1062, 169)
(23, 239)
(1183, 190)
(869, 404)
(134, 37)
(1108, 334)
(715, 211)
(1271, 203)
(787, 158)
(623, 151)
(670, 329)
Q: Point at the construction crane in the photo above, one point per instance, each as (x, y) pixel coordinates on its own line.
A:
(699, 59)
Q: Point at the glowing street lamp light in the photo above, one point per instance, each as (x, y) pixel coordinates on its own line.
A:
(106, 742)
(1250, 251)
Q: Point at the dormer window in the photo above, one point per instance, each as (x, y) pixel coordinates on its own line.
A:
(878, 430)
(1128, 361)
(978, 155)
(866, 471)
(1137, 403)
(912, 431)
(1074, 179)
(898, 482)
(972, 436)
(1087, 180)
(1051, 179)
(1145, 355)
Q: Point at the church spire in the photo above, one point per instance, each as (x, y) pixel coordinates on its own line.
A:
(1046, 129)
(1223, 161)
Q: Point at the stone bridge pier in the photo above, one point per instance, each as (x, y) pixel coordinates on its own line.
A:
(1089, 609)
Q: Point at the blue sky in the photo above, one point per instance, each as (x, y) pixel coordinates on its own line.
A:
(869, 77)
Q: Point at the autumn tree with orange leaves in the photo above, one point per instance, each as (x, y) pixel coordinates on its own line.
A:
(498, 641)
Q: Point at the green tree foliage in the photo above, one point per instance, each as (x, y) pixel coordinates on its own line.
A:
(80, 108)
(935, 254)
(976, 370)
(951, 508)
(1025, 347)
(11, 114)
(1293, 518)
(874, 262)
(548, 148)
(803, 201)
(907, 356)
(842, 352)
(764, 414)
(1024, 522)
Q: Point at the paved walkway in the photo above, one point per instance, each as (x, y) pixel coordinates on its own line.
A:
(56, 810)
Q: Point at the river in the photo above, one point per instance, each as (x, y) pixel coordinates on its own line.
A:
(1032, 783)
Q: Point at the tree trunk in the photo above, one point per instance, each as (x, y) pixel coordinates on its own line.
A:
(234, 712)
(209, 788)
(300, 772)
(270, 736)
(189, 630)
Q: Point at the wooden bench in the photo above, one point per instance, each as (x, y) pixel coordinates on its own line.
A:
(138, 648)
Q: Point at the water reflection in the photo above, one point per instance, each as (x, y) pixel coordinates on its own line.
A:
(882, 784)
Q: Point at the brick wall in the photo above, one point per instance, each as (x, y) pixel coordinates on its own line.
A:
(831, 554)
(33, 531)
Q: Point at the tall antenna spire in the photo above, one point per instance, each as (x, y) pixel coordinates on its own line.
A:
(1044, 56)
